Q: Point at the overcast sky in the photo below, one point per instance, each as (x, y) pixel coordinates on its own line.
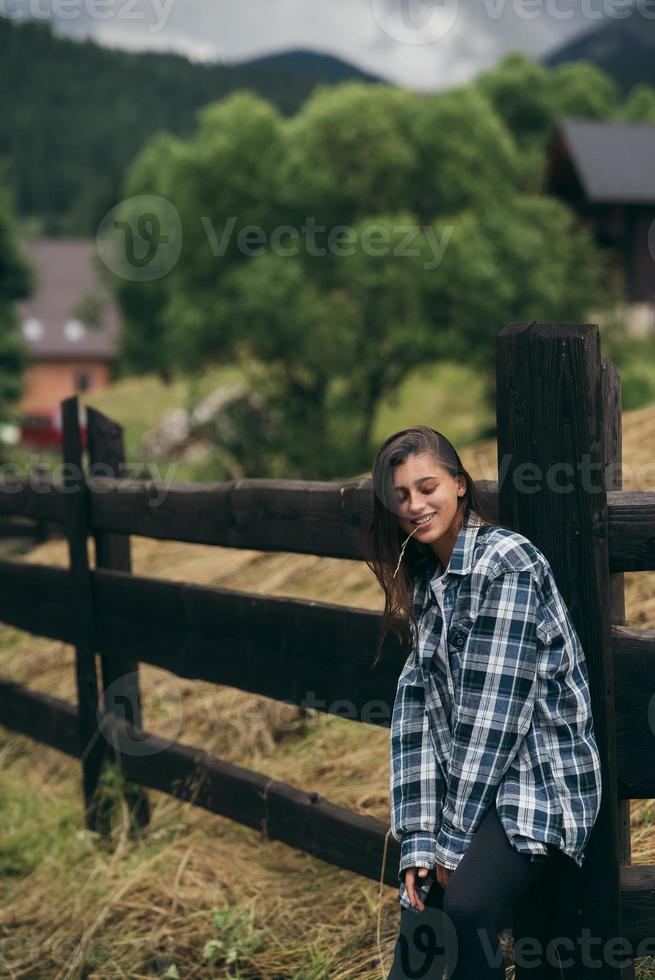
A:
(422, 44)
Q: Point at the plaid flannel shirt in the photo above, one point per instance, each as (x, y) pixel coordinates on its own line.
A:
(492, 704)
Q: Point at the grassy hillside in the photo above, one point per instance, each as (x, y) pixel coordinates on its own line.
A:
(441, 395)
(197, 891)
(436, 394)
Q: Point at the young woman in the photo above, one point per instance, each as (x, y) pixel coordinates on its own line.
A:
(494, 763)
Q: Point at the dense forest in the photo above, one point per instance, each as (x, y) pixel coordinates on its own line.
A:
(624, 49)
(76, 113)
(16, 282)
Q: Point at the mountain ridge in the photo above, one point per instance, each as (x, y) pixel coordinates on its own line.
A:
(624, 49)
(113, 100)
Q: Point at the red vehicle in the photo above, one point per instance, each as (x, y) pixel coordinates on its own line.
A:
(42, 429)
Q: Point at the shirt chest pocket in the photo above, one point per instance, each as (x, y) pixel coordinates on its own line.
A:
(458, 632)
(456, 638)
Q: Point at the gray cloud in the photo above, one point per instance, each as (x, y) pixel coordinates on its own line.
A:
(420, 44)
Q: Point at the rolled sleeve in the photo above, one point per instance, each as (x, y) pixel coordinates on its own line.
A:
(450, 847)
(416, 785)
(417, 851)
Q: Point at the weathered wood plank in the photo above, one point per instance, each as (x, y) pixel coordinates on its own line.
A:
(39, 496)
(120, 674)
(612, 460)
(81, 611)
(551, 447)
(297, 516)
(638, 907)
(307, 653)
(304, 820)
(36, 598)
(291, 649)
(47, 719)
(634, 684)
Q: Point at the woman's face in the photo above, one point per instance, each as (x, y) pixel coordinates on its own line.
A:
(424, 489)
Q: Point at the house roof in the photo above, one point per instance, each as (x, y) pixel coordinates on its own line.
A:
(614, 161)
(64, 274)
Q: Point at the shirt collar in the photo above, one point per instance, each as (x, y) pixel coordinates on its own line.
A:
(461, 557)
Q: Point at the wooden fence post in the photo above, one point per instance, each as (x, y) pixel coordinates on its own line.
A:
(613, 456)
(553, 445)
(92, 744)
(120, 677)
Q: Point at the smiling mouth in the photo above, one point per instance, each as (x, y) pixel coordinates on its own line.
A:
(423, 523)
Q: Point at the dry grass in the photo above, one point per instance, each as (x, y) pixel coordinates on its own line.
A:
(198, 892)
(153, 901)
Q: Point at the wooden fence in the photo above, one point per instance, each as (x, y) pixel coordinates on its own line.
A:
(22, 532)
(559, 455)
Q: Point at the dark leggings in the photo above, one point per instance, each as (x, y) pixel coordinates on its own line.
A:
(458, 926)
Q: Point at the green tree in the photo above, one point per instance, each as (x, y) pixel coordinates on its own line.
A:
(221, 180)
(295, 341)
(639, 106)
(465, 153)
(16, 279)
(527, 259)
(141, 93)
(323, 356)
(349, 153)
(519, 90)
(531, 98)
(435, 248)
(583, 91)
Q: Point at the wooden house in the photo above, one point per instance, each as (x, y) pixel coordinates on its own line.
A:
(69, 324)
(606, 172)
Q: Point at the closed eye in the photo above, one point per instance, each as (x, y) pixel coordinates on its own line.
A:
(401, 496)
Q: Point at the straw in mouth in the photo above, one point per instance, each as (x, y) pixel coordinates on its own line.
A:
(402, 550)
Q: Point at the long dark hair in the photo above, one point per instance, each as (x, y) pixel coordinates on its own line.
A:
(384, 537)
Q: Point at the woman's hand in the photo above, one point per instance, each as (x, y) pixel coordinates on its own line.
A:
(414, 877)
(443, 875)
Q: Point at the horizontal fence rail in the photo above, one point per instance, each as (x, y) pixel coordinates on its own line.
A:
(307, 653)
(303, 820)
(294, 650)
(304, 517)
